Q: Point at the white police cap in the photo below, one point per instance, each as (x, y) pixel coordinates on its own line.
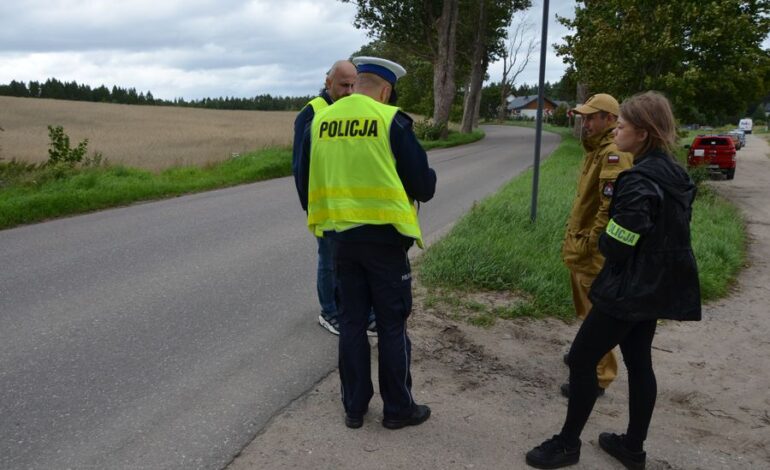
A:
(384, 68)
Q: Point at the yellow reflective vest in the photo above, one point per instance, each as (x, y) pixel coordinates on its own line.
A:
(317, 103)
(353, 178)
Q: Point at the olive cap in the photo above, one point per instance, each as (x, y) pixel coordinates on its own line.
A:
(599, 102)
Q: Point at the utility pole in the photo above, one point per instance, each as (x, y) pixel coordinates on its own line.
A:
(540, 105)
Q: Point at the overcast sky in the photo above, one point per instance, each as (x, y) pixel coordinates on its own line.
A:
(200, 48)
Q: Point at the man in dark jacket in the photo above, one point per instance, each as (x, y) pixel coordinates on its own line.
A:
(338, 85)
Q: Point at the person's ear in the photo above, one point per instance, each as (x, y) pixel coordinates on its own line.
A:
(328, 83)
(385, 94)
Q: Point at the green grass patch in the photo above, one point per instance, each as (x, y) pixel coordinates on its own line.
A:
(719, 242)
(454, 139)
(562, 131)
(46, 192)
(496, 246)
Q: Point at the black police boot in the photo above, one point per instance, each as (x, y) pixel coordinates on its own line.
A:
(420, 414)
(553, 453)
(354, 422)
(613, 444)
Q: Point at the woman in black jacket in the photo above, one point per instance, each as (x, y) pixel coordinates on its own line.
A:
(649, 273)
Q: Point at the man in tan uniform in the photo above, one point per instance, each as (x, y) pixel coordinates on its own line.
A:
(589, 215)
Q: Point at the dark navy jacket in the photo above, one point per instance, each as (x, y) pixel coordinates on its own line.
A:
(304, 118)
(418, 178)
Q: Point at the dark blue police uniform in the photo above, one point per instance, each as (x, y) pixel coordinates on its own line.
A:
(373, 270)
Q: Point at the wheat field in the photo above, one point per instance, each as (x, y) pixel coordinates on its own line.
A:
(149, 137)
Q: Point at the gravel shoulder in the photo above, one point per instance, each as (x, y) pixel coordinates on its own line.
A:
(494, 391)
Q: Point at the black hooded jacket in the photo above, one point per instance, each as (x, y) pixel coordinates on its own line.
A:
(649, 270)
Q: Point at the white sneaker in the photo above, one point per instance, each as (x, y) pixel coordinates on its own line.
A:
(329, 323)
(371, 330)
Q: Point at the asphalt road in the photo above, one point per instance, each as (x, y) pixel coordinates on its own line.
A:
(165, 335)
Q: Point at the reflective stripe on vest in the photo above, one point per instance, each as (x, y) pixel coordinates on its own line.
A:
(353, 177)
(623, 235)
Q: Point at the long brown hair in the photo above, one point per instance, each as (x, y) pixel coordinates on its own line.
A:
(651, 111)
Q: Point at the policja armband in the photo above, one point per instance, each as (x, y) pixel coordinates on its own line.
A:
(623, 235)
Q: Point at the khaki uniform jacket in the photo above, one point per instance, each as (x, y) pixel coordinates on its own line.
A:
(589, 215)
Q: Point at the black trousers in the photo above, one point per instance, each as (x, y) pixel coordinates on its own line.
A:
(598, 334)
(371, 275)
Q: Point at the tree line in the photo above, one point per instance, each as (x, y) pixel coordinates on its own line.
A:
(62, 90)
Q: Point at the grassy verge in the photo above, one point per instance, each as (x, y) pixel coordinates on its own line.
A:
(30, 193)
(58, 191)
(562, 131)
(495, 247)
(454, 139)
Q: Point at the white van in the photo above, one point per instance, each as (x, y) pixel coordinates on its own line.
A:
(745, 125)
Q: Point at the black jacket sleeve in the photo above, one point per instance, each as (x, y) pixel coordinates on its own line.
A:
(418, 178)
(303, 118)
(302, 175)
(635, 207)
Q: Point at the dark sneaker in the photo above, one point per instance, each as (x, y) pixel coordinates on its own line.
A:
(330, 323)
(553, 453)
(354, 422)
(419, 415)
(613, 445)
(565, 390)
(371, 330)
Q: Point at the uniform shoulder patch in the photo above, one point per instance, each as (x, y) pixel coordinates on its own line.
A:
(608, 189)
(613, 158)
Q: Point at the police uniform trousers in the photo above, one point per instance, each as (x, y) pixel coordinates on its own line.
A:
(607, 369)
(372, 275)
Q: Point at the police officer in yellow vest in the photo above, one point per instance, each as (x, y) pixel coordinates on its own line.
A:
(589, 216)
(360, 171)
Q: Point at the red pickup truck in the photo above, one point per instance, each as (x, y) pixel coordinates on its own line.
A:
(715, 152)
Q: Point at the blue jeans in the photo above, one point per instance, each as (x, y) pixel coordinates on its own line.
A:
(326, 283)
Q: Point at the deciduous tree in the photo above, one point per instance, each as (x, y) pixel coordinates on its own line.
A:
(434, 30)
(516, 56)
(484, 37)
(706, 55)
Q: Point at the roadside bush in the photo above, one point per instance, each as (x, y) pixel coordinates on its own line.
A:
(560, 117)
(699, 174)
(60, 151)
(428, 130)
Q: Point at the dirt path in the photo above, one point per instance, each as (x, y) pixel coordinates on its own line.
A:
(494, 391)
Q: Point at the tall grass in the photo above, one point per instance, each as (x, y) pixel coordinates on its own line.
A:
(497, 247)
(58, 191)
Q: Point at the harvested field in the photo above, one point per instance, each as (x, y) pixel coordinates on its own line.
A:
(149, 137)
